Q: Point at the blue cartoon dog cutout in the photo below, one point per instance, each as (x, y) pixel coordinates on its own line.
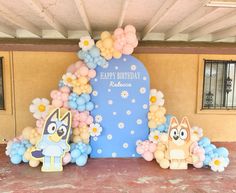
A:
(54, 141)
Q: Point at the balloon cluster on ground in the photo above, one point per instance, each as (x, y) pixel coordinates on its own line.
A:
(73, 94)
(202, 152)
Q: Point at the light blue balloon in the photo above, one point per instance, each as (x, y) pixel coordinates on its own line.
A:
(16, 159)
(89, 106)
(91, 65)
(86, 97)
(72, 104)
(75, 153)
(73, 160)
(222, 152)
(80, 101)
(21, 151)
(13, 151)
(81, 107)
(25, 160)
(89, 149)
(81, 160)
(72, 146)
(94, 52)
(81, 54)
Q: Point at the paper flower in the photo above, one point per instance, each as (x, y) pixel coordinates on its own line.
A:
(156, 97)
(80, 119)
(86, 43)
(80, 102)
(81, 134)
(154, 136)
(95, 129)
(197, 131)
(218, 164)
(92, 58)
(106, 46)
(68, 78)
(60, 97)
(125, 40)
(39, 108)
(146, 150)
(156, 116)
(124, 94)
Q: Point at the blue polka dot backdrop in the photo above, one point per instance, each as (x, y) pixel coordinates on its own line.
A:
(121, 98)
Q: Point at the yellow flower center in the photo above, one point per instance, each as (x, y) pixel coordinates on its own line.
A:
(95, 129)
(41, 108)
(69, 79)
(156, 137)
(86, 43)
(217, 162)
(153, 99)
(195, 132)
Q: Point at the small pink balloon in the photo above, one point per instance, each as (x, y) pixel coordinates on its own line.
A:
(130, 38)
(148, 156)
(130, 28)
(75, 123)
(83, 71)
(64, 97)
(66, 159)
(66, 106)
(117, 45)
(128, 49)
(82, 124)
(139, 149)
(198, 165)
(89, 120)
(57, 103)
(83, 116)
(53, 94)
(92, 73)
(65, 89)
(71, 68)
(118, 31)
(152, 147)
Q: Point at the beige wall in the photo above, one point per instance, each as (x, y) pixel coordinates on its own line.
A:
(36, 73)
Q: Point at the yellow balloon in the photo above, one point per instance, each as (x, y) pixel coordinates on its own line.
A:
(27, 132)
(152, 124)
(105, 34)
(99, 44)
(107, 43)
(83, 80)
(164, 163)
(153, 108)
(76, 139)
(159, 155)
(116, 54)
(76, 131)
(27, 155)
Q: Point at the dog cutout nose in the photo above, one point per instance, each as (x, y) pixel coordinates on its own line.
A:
(176, 137)
(60, 132)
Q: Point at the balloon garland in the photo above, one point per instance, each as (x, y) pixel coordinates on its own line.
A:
(74, 93)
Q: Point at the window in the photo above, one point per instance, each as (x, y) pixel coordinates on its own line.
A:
(2, 107)
(219, 85)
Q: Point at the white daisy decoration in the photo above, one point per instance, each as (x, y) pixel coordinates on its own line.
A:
(124, 94)
(156, 97)
(68, 78)
(95, 129)
(132, 132)
(133, 67)
(128, 112)
(125, 145)
(99, 151)
(138, 142)
(110, 102)
(121, 125)
(114, 154)
(154, 136)
(197, 131)
(144, 78)
(218, 164)
(109, 136)
(86, 43)
(142, 90)
(145, 106)
(39, 108)
(139, 121)
(98, 118)
(95, 93)
(133, 101)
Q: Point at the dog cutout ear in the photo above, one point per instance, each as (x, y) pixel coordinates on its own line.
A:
(54, 116)
(173, 122)
(185, 123)
(66, 120)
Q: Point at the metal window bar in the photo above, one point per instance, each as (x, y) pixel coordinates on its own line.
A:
(219, 85)
(2, 102)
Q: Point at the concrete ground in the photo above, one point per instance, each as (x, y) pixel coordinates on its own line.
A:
(116, 176)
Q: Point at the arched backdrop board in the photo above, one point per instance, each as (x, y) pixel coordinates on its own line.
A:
(121, 97)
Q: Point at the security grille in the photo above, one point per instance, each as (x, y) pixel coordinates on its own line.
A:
(2, 106)
(219, 85)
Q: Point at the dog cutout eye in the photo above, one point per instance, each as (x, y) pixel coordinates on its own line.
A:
(183, 134)
(61, 131)
(51, 128)
(173, 133)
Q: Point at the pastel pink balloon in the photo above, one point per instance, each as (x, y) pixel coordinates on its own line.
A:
(57, 103)
(118, 31)
(65, 89)
(53, 94)
(128, 49)
(83, 71)
(91, 73)
(82, 124)
(118, 46)
(148, 156)
(140, 149)
(130, 38)
(66, 105)
(66, 159)
(152, 147)
(75, 123)
(71, 68)
(64, 97)
(198, 165)
(130, 28)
